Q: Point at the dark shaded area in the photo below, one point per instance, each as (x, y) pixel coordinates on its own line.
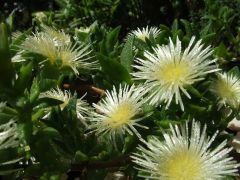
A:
(128, 13)
(23, 10)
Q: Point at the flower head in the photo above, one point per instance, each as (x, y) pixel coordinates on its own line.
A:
(170, 69)
(83, 29)
(40, 16)
(185, 154)
(82, 108)
(117, 112)
(54, 46)
(227, 88)
(145, 33)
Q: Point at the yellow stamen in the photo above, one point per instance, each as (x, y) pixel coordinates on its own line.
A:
(182, 165)
(173, 73)
(66, 58)
(143, 37)
(121, 115)
(225, 90)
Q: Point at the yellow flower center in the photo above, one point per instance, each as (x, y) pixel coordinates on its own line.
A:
(63, 105)
(48, 50)
(143, 37)
(66, 57)
(182, 165)
(173, 73)
(225, 91)
(122, 115)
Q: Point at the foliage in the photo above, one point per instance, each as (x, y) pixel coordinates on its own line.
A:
(57, 144)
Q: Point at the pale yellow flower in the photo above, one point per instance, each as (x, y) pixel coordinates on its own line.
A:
(169, 70)
(144, 33)
(54, 46)
(185, 154)
(227, 88)
(83, 29)
(117, 112)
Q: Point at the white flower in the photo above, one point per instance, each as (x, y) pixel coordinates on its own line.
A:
(82, 108)
(83, 29)
(227, 88)
(185, 154)
(145, 33)
(117, 112)
(170, 69)
(58, 52)
(40, 16)
(18, 57)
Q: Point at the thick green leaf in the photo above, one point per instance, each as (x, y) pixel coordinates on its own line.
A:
(80, 156)
(24, 77)
(207, 39)
(107, 45)
(34, 91)
(38, 114)
(175, 27)
(187, 27)
(126, 57)
(50, 132)
(165, 123)
(26, 128)
(196, 108)
(10, 20)
(194, 91)
(235, 71)
(164, 27)
(46, 84)
(222, 51)
(112, 38)
(114, 70)
(163, 37)
(6, 69)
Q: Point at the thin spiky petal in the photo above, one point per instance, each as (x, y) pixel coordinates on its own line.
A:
(145, 33)
(59, 37)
